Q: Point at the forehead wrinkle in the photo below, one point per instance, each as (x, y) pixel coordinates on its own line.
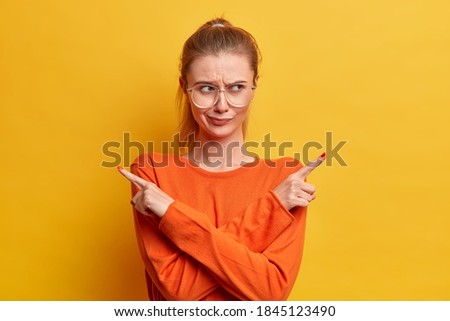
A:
(224, 69)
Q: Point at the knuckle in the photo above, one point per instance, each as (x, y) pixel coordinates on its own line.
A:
(294, 184)
(292, 178)
(304, 203)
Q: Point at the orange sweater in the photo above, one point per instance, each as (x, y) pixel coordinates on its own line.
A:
(225, 237)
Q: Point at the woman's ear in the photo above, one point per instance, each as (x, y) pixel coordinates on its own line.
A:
(182, 84)
(255, 82)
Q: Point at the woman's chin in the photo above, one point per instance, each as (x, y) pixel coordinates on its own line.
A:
(220, 132)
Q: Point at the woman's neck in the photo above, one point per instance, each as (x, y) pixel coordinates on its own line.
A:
(219, 155)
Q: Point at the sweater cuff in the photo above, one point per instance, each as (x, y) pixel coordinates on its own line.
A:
(184, 225)
(282, 207)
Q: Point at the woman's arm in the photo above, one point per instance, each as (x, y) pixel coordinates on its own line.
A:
(176, 274)
(268, 275)
(180, 277)
(278, 273)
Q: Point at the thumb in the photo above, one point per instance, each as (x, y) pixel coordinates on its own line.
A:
(308, 168)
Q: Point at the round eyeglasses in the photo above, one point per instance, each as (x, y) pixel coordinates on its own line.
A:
(206, 96)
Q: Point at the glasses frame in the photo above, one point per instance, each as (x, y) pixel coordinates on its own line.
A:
(218, 90)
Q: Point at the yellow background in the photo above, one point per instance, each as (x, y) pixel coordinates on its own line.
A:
(77, 74)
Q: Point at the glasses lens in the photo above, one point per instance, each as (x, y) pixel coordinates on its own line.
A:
(206, 96)
(239, 95)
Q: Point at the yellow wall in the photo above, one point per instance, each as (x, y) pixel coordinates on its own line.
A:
(77, 74)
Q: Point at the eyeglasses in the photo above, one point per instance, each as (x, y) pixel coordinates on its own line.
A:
(206, 96)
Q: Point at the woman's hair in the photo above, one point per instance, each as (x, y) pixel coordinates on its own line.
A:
(213, 38)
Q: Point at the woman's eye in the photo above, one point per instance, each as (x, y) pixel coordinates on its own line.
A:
(207, 89)
(236, 87)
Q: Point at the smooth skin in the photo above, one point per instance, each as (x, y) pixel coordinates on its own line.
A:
(222, 70)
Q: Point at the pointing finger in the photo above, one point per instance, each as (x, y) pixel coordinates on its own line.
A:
(136, 180)
(308, 168)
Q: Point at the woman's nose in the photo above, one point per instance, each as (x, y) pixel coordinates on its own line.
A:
(221, 105)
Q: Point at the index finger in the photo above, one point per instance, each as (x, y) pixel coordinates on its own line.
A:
(308, 168)
(136, 180)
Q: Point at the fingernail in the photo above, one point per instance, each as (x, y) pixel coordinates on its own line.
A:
(119, 167)
(323, 155)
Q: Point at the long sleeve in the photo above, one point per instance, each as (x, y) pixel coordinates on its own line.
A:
(176, 274)
(180, 277)
(179, 274)
(248, 275)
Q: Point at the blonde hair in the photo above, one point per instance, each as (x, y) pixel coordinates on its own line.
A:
(213, 38)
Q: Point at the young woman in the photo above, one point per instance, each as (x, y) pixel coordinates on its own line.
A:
(218, 223)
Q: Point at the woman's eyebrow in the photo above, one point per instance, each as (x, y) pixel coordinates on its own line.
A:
(236, 82)
(214, 82)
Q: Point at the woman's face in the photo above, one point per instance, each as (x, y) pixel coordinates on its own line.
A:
(221, 121)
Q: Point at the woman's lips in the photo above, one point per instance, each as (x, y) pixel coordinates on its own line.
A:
(218, 121)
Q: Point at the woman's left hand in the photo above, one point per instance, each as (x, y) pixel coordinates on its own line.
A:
(294, 191)
(150, 199)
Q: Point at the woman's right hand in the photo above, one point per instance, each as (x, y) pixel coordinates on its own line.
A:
(294, 191)
(150, 199)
